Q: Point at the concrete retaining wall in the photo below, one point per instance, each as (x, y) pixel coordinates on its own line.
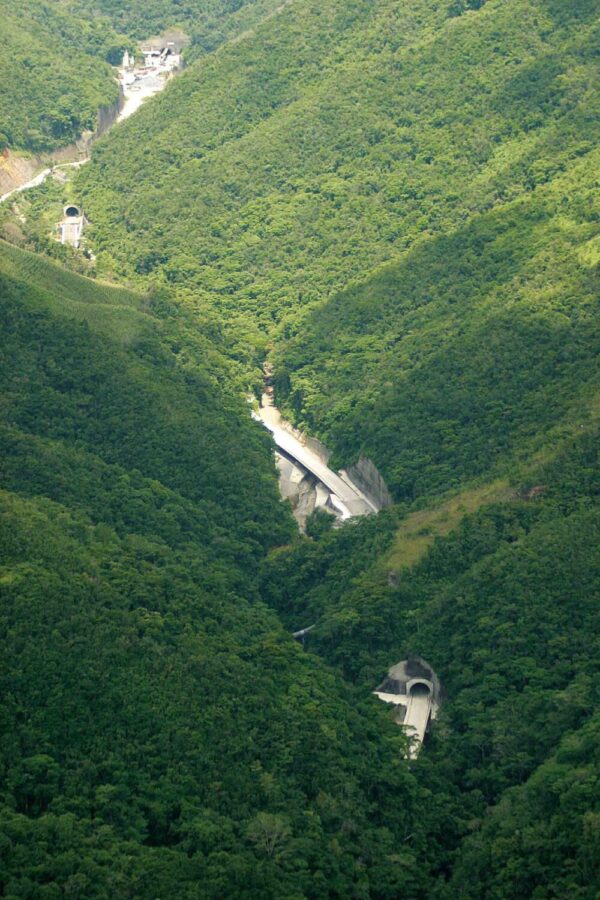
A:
(108, 115)
(367, 477)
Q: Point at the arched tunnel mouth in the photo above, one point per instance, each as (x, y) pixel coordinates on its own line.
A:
(420, 690)
(72, 212)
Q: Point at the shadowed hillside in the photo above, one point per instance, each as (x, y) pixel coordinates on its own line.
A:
(462, 357)
(161, 730)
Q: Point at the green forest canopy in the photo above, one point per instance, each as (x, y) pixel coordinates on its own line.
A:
(399, 201)
(208, 22)
(160, 728)
(58, 72)
(403, 200)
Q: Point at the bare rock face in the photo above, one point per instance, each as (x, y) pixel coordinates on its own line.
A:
(302, 489)
(16, 170)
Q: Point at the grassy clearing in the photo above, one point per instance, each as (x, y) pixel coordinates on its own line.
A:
(418, 530)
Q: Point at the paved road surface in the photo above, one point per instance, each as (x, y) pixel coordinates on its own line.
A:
(142, 89)
(418, 710)
(349, 499)
(39, 179)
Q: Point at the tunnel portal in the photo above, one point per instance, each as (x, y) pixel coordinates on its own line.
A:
(414, 690)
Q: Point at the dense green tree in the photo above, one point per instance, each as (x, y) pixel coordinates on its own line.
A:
(58, 73)
(161, 732)
(397, 202)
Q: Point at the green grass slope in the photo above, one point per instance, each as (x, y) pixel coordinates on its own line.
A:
(116, 312)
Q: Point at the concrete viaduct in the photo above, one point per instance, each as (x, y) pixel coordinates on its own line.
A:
(348, 499)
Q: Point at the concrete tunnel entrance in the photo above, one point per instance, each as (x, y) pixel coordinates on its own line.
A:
(72, 212)
(413, 688)
(420, 689)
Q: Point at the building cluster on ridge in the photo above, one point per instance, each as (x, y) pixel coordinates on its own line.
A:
(160, 57)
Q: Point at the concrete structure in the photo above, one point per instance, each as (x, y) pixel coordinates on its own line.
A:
(414, 689)
(300, 635)
(365, 475)
(162, 54)
(72, 225)
(162, 60)
(305, 478)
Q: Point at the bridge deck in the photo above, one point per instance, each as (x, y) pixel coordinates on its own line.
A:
(351, 497)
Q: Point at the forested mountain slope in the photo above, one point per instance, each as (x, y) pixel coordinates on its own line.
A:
(162, 734)
(398, 203)
(56, 63)
(285, 165)
(462, 357)
(294, 163)
(207, 22)
(54, 72)
(506, 611)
